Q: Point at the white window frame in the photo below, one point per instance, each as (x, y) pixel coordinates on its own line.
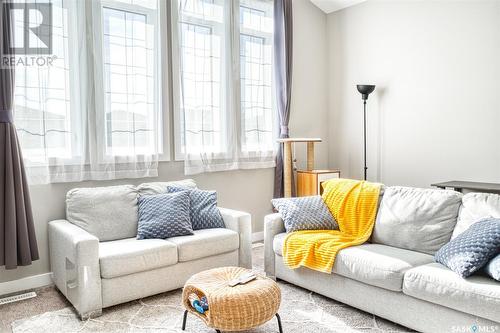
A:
(77, 149)
(176, 79)
(161, 66)
(218, 30)
(268, 40)
(88, 15)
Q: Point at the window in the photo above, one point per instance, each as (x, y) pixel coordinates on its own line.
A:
(97, 112)
(130, 97)
(101, 110)
(256, 40)
(225, 102)
(202, 71)
(43, 103)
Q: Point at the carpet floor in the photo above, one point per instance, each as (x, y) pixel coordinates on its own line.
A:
(301, 312)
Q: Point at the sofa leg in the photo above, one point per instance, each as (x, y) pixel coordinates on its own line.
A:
(272, 277)
(91, 314)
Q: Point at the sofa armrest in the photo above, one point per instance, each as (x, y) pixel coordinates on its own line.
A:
(240, 222)
(273, 225)
(74, 259)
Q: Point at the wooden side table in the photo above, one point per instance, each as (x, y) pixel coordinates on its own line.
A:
(309, 181)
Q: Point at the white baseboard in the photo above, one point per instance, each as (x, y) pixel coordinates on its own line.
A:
(30, 282)
(257, 236)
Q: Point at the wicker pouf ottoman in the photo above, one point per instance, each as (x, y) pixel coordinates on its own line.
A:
(237, 308)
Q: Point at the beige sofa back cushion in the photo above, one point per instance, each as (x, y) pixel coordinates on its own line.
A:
(109, 213)
(161, 187)
(416, 219)
(476, 206)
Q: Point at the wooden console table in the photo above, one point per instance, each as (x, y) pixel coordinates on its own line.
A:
(459, 186)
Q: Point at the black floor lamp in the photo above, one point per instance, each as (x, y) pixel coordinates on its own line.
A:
(365, 90)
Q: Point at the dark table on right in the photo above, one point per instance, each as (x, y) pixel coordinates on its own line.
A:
(459, 186)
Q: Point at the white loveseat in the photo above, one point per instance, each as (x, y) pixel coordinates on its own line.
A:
(394, 275)
(97, 261)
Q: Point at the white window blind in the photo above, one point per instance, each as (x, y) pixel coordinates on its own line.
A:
(43, 105)
(223, 98)
(95, 113)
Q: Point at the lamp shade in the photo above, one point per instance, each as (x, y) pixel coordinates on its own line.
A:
(365, 90)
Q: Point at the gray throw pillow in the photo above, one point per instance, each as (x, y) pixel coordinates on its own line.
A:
(305, 213)
(164, 215)
(203, 208)
(493, 268)
(472, 249)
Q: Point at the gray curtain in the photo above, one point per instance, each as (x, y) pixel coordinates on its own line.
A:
(18, 245)
(283, 52)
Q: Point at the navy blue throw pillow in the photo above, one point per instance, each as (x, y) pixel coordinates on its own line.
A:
(164, 215)
(472, 249)
(203, 211)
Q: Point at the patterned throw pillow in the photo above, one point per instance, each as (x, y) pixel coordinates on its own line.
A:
(493, 268)
(305, 213)
(204, 212)
(164, 215)
(472, 249)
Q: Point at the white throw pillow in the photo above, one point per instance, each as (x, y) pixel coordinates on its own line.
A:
(476, 207)
(416, 219)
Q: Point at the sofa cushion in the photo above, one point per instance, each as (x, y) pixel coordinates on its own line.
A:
(475, 207)
(374, 264)
(206, 243)
(477, 295)
(416, 219)
(109, 213)
(161, 187)
(127, 256)
(164, 215)
(378, 265)
(472, 249)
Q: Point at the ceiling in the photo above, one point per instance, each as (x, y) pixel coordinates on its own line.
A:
(329, 6)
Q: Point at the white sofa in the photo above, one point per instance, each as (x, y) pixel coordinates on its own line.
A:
(394, 276)
(97, 261)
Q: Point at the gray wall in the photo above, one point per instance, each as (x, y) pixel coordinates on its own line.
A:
(435, 114)
(244, 190)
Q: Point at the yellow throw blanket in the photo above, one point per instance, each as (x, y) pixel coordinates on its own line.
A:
(353, 204)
